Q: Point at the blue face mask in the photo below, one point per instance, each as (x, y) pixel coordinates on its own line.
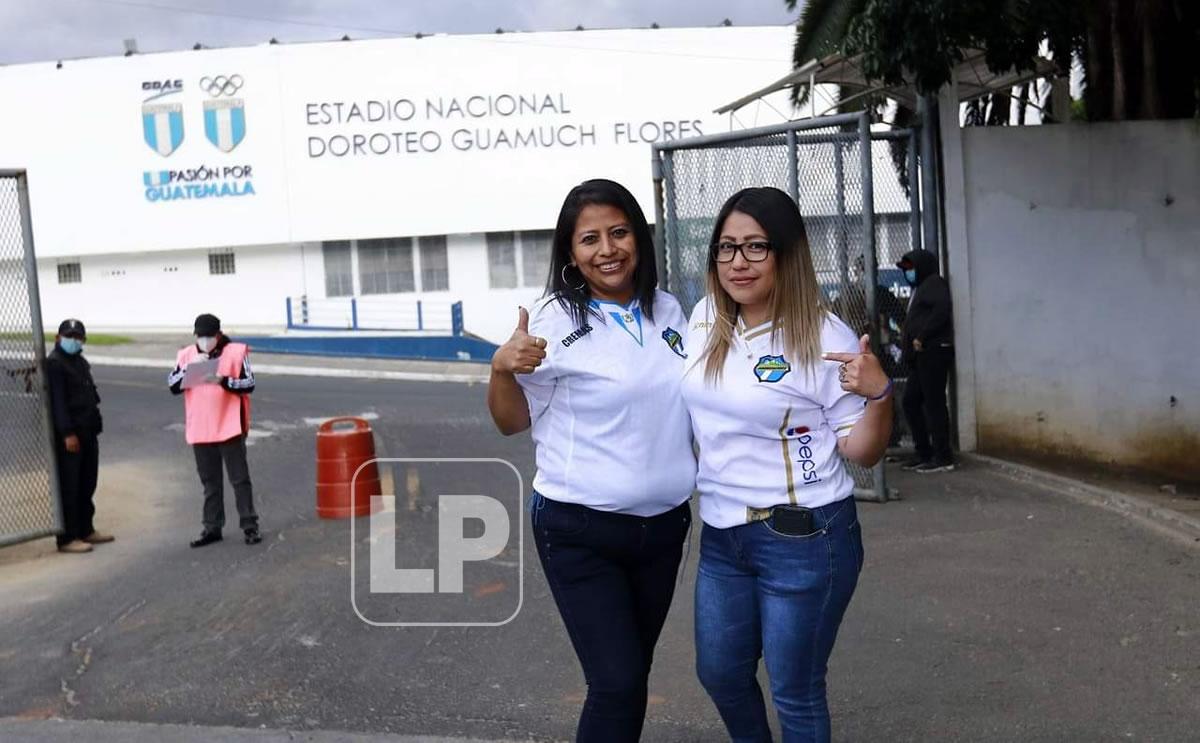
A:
(70, 346)
(911, 276)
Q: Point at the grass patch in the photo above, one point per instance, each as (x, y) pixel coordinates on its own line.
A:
(93, 339)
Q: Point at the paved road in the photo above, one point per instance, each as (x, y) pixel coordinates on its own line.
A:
(989, 610)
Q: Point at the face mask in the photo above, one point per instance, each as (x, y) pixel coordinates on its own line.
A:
(911, 276)
(206, 344)
(70, 346)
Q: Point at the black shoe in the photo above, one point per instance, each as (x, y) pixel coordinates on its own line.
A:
(252, 535)
(206, 537)
(935, 466)
(912, 463)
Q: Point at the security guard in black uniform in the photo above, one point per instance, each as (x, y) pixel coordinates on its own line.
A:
(77, 424)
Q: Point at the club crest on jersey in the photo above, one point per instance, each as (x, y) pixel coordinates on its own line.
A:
(771, 368)
(674, 341)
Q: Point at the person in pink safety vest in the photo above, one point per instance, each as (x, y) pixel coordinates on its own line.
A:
(216, 423)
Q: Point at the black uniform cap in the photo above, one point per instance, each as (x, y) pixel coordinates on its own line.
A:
(207, 325)
(72, 328)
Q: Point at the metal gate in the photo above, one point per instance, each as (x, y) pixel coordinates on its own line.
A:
(29, 504)
(859, 195)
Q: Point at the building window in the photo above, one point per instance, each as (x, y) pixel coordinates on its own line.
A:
(221, 263)
(339, 275)
(535, 257)
(386, 266)
(502, 260)
(519, 259)
(435, 268)
(69, 273)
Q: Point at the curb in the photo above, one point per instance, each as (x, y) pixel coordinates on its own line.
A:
(1175, 524)
(312, 371)
(56, 729)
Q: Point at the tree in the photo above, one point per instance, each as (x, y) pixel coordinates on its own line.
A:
(1141, 58)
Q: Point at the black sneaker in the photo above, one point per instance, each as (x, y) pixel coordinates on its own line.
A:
(912, 463)
(252, 535)
(934, 466)
(206, 538)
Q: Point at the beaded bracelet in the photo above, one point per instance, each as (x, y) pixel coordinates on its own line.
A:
(886, 391)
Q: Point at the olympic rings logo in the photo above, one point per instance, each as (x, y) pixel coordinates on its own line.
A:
(221, 85)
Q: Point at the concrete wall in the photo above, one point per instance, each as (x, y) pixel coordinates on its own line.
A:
(1084, 284)
(164, 291)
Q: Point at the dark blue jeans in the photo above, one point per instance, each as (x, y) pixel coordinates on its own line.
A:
(763, 594)
(612, 576)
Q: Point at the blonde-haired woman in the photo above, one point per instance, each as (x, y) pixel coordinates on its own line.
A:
(780, 393)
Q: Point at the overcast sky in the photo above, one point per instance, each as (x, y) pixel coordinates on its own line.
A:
(41, 30)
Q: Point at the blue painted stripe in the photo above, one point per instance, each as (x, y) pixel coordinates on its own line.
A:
(237, 118)
(210, 125)
(442, 348)
(149, 132)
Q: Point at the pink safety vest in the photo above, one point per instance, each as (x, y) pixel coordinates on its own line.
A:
(213, 414)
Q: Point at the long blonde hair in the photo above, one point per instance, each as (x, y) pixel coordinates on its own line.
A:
(797, 305)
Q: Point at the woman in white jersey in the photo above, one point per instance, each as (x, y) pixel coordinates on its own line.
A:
(595, 369)
(779, 390)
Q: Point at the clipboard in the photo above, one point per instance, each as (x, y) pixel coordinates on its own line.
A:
(197, 373)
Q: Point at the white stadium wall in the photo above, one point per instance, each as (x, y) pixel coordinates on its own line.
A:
(278, 145)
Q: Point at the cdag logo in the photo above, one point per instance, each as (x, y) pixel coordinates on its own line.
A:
(162, 123)
(224, 115)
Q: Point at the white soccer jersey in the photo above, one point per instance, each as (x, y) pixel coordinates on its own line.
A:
(768, 429)
(609, 424)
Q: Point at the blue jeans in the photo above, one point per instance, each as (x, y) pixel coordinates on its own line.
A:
(612, 576)
(763, 594)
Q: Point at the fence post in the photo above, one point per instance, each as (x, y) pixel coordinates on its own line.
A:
(914, 192)
(289, 313)
(354, 313)
(841, 238)
(869, 265)
(420, 317)
(929, 198)
(456, 318)
(660, 234)
(794, 164)
(673, 264)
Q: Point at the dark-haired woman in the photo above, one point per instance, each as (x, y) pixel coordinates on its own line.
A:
(595, 370)
(779, 391)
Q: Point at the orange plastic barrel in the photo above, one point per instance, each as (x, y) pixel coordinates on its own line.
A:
(344, 445)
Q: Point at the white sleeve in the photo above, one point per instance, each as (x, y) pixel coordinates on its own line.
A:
(842, 409)
(539, 386)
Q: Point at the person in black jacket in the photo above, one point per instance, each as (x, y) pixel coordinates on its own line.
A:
(928, 345)
(77, 424)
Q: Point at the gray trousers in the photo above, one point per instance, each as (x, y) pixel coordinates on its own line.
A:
(208, 464)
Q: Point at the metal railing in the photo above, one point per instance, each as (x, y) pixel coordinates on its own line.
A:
(374, 313)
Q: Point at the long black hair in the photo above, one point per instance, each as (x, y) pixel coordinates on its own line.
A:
(573, 293)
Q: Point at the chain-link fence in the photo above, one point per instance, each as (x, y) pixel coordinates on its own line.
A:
(851, 185)
(29, 505)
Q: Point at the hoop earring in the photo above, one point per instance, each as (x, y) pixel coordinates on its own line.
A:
(563, 274)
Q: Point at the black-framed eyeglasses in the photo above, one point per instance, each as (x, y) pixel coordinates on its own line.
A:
(754, 251)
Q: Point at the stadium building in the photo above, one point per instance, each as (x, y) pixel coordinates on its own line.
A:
(369, 184)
